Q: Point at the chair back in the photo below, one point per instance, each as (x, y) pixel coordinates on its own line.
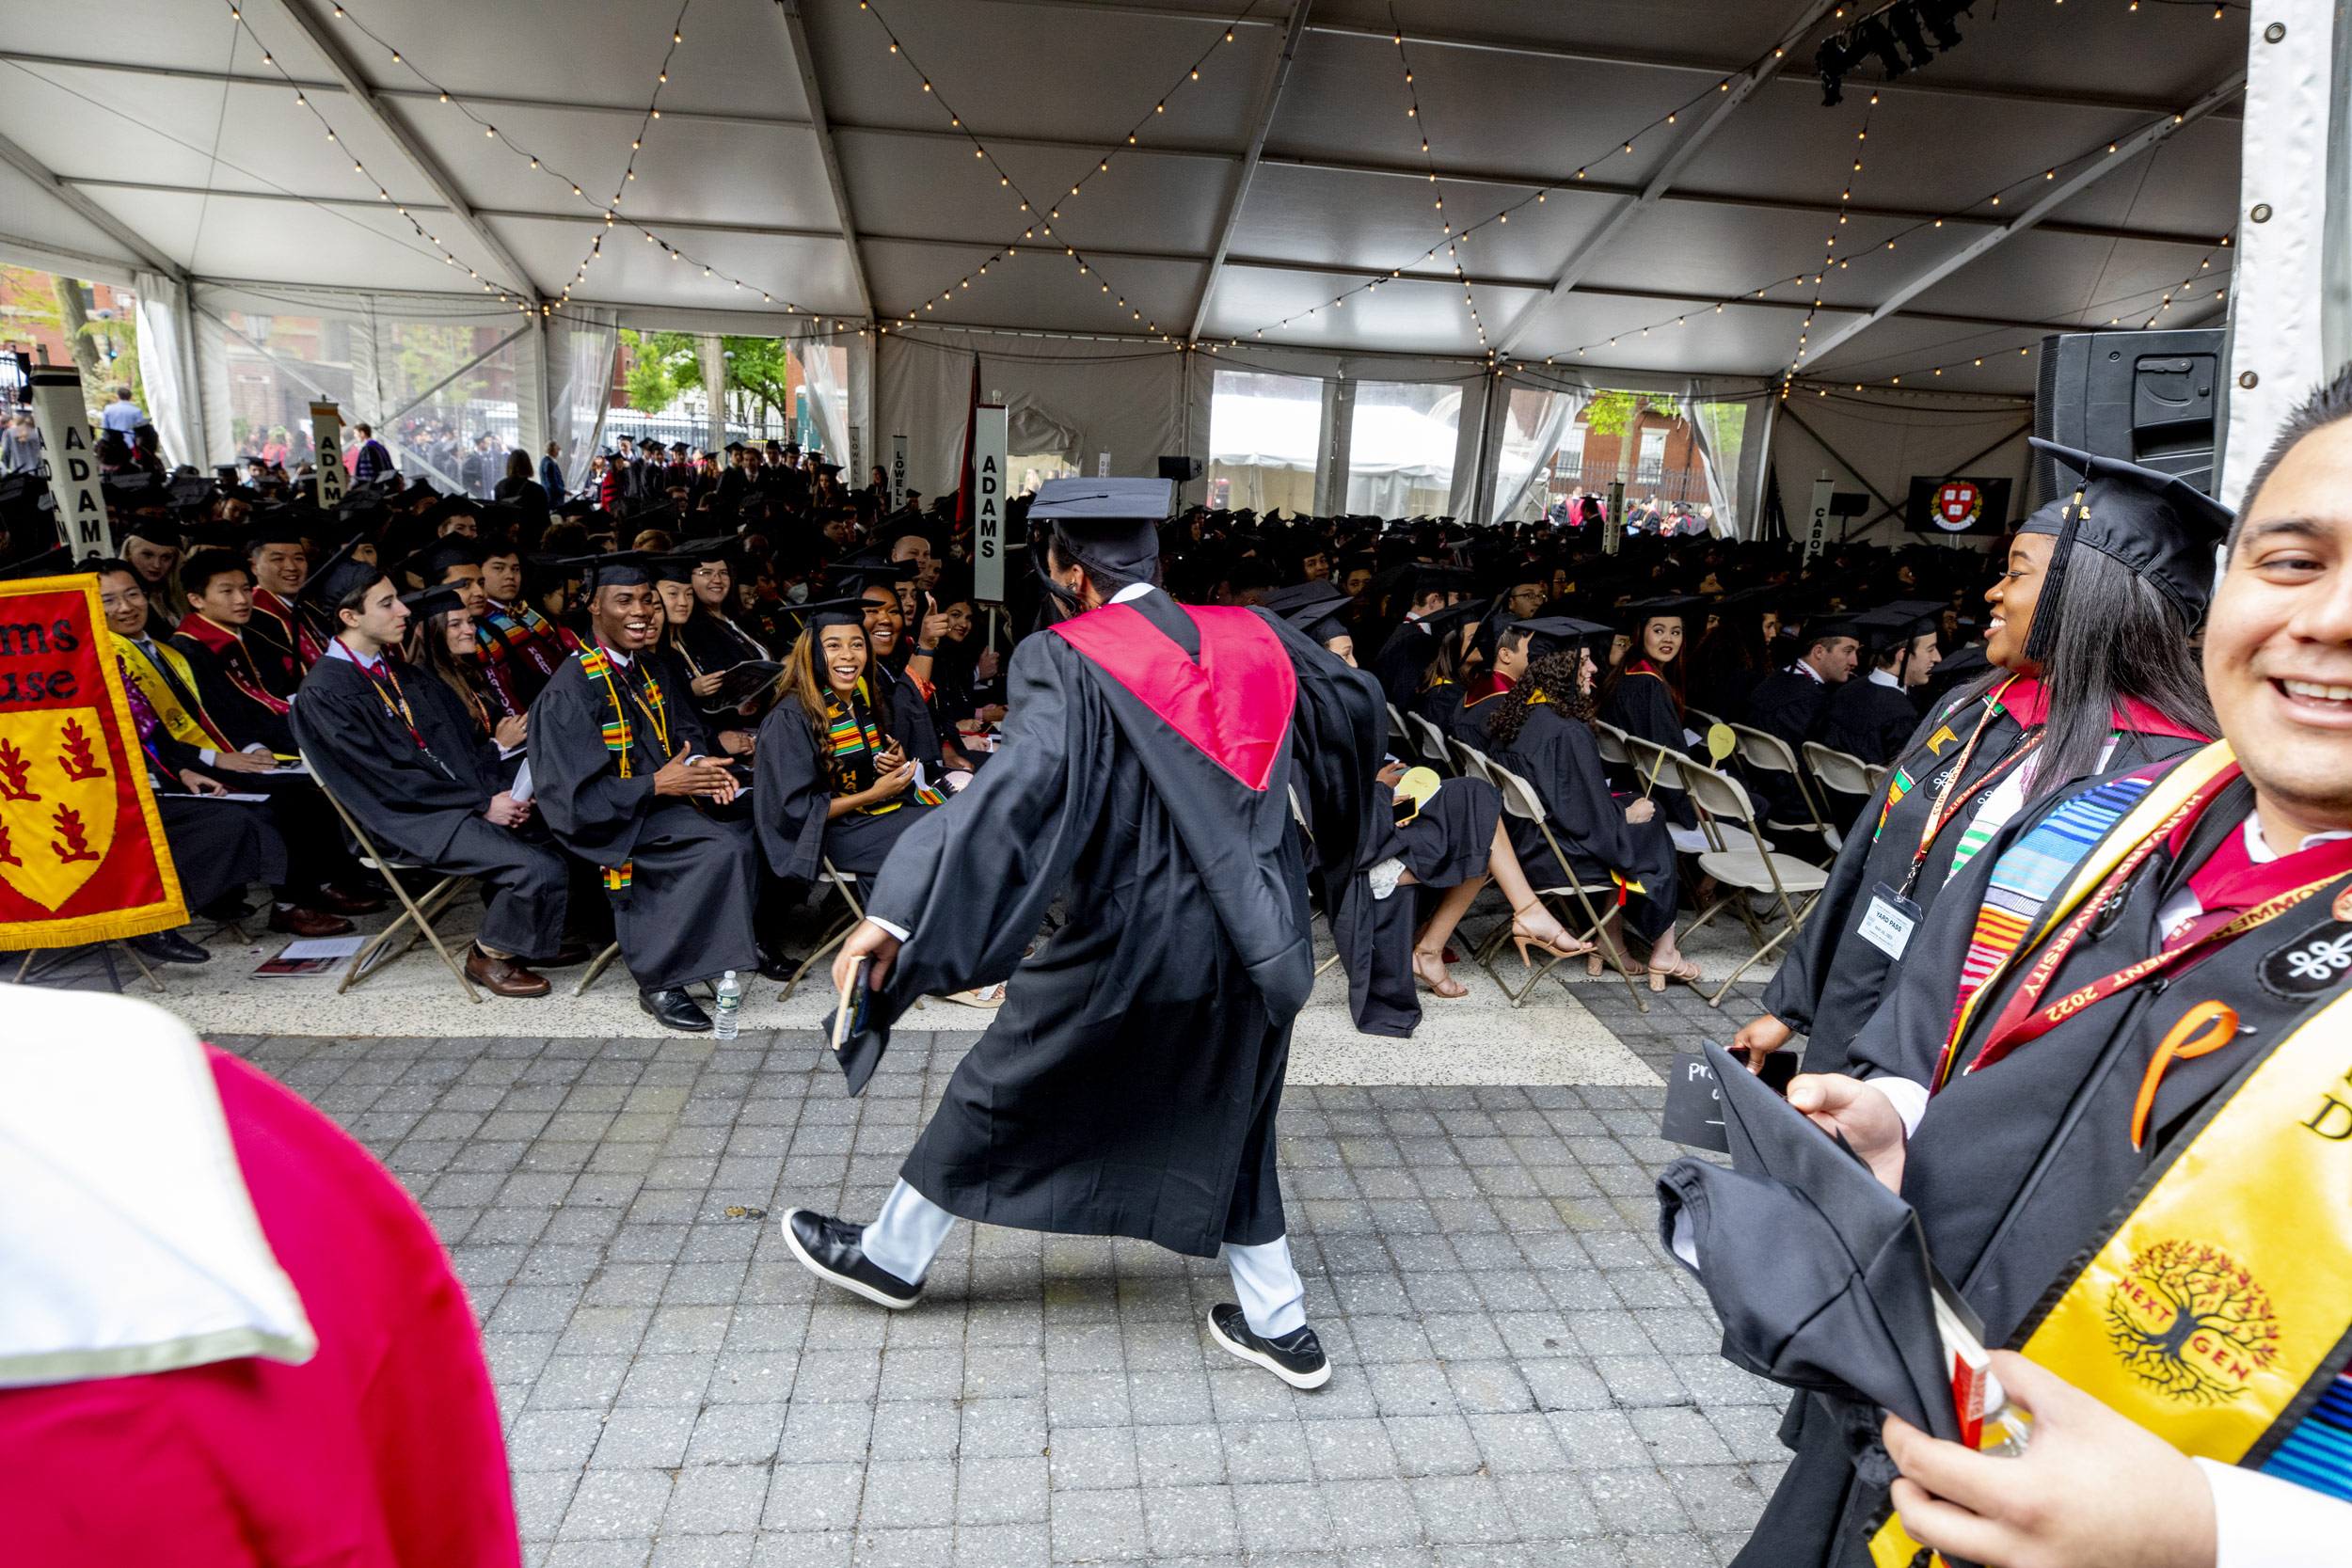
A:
(1519, 799)
(1658, 767)
(1699, 718)
(1877, 773)
(1842, 771)
(1721, 795)
(1611, 742)
(1471, 763)
(1427, 738)
(1761, 749)
(1397, 731)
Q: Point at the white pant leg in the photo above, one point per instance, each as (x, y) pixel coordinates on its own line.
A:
(1273, 1297)
(907, 1234)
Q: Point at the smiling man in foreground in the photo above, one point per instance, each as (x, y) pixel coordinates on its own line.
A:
(2128, 1140)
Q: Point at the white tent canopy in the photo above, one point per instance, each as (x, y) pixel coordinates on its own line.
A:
(806, 177)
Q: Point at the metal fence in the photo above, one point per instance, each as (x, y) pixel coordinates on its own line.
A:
(1648, 482)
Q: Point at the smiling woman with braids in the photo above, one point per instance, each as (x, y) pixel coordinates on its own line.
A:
(1539, 728)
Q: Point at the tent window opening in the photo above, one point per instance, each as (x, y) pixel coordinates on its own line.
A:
(1263, 432)
(1400, 457)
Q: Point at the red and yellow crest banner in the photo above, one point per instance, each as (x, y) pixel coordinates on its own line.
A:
(82, 851)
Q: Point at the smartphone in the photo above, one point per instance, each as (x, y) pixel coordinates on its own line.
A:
(849, 1018)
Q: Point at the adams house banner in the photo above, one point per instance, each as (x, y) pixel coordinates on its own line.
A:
(82, 854)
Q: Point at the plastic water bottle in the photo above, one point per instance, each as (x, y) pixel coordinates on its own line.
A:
(730, 1003)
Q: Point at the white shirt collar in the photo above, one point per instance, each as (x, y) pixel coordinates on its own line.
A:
(1883, 677)
(1802, 668)
(2258, 848)
(338, 648)
(1133, 590)
(624, 659)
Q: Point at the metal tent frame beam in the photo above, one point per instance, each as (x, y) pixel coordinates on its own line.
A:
(1736, 93)
(81, 206)
(1262, 122)
(364, 96)
(2056, 196)
(796, 31)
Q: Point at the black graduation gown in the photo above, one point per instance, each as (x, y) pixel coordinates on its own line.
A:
(2015, 1170)
(905, 715)
(1556, 754)
(241, 718)
(1447, 843)
(791, 790)
(1867, 720)
(1129, 1085)
(1640, 705)
(712, 645)
(1833, 980)
(1789, 706)
(427, 800)
(687, 914)
(1401, 659)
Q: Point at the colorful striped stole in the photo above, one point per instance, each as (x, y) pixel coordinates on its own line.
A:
(848, 731)
(2318, 1452)
(617, 736)
(2031, 871)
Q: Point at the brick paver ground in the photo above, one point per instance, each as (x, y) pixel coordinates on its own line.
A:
(1521, 1377)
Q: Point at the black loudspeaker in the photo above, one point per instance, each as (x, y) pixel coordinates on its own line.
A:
(2146, 397)
(1180, 469)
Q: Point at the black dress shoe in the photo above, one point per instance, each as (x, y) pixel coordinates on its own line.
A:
(833, 1249)
(772, 963)
(168, 947)
(1295, 1357)
(228, 907)
(675, 1009)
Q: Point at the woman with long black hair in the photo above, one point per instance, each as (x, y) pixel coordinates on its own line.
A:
(1643, 695)
(2099, 677)
(1540, 729)
(441, 643)
(829, 782)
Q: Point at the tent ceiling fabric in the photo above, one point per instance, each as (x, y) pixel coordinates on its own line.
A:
(169, 120)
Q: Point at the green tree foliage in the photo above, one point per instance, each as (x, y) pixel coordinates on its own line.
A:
(662, 365)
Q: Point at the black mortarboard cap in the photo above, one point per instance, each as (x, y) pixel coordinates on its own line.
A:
(855, 574)
(1819, 1274)
(1553, 634)
(725, 547)
(429, 563)
(1635, 613)
(819, 613)
(160, 531)
(672, 568)
(1289, 601)
(1111, 525)
(2159, 527)
(619, 569)
(340, 575)
(1891, 626)
(433, 601)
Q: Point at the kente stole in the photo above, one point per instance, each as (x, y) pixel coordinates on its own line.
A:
(597, 667)
(853, 740)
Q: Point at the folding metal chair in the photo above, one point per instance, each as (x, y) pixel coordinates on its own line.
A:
(845, 882)
(1768, 753)
(1399, 736)
(416, 914)
(1520, 800)
(1429, 740)
(1662, 768)
(1700, 719)
(1742, 872)
(1611, 742)
(1840, 772)
(1469, 761)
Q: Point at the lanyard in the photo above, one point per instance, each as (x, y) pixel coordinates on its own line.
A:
(1941, 814)
(2021, 1021)
(395, 702)
(656, 713)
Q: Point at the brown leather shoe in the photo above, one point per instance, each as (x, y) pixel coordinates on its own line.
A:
(300, 921)
(345, 901)
(502, 977)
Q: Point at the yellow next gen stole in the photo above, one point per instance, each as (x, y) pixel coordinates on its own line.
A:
(2218, 1313)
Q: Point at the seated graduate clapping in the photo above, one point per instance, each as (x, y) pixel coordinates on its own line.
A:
(831, 783)
(1539, 729)
(630, 777)
(408, 760)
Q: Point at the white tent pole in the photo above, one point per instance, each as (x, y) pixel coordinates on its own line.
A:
(2056, 195)
(1727, 103)
(364, 97)
(2277, 343)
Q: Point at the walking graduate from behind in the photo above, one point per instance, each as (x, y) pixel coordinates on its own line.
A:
(1129, 1083)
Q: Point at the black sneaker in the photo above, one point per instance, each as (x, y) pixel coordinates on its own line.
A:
(1295, 1357)
(831, 1249)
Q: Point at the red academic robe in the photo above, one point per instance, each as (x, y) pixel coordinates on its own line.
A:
(383, 1449)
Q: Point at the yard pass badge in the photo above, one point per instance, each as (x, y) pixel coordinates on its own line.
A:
(1958, 504)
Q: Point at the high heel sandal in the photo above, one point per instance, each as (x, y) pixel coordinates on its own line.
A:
(1682, 970)
(1437, 988)
(1562, 947)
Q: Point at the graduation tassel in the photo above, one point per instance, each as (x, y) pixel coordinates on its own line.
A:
(2044, 633)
